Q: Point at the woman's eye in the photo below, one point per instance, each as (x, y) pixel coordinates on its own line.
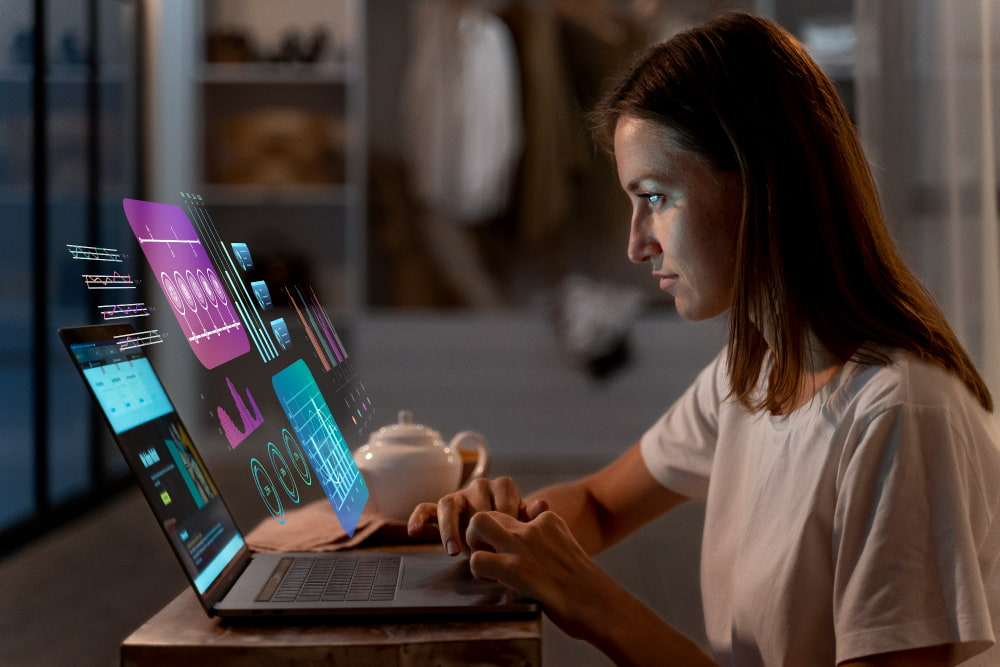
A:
(653, 199)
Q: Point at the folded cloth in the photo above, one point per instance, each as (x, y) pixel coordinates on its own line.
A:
(313, 527)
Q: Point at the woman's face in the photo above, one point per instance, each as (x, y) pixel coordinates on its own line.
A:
(684, 217)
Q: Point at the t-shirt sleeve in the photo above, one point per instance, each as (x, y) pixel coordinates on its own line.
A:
(679, 448)
(911, 559)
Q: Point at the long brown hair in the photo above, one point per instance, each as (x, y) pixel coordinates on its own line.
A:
(813, 251)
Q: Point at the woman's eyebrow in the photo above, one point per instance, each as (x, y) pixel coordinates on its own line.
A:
(648, 180)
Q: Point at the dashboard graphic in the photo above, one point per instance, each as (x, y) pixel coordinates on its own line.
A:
(200, 303)
(242, 253)
(325, 341)
(122, 311)
(250, 417)
(109, 281)
(92, 253)
(243, 301)
(138, 339)
(280, 330)
(322, 442)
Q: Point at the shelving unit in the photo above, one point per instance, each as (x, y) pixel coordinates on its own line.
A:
(69, 151)
(279, 144)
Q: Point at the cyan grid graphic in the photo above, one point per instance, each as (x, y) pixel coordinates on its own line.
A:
(322, 441)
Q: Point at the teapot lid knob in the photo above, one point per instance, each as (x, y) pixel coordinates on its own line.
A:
(405, 417)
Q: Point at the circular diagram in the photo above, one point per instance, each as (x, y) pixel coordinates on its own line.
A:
(265, 485)
(185, 290)
(297, 456)
(207, 288)
(196, 289)
(217, 286)
(285, 477)
(172, 294)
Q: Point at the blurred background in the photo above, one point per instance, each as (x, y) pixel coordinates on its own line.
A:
(426, 165)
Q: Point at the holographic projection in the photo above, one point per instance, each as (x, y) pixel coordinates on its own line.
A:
(243, 301)
(114, 281)
(225, 308)
(332, 355)
(185, 272)
(249, 416)
(122, 311)
(322, 441)
(138, 339)
(279, 463)
(90, 252)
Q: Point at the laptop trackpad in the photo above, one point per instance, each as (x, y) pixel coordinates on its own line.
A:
(440, 572)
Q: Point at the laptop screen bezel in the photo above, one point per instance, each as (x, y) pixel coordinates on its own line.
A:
(102, 333)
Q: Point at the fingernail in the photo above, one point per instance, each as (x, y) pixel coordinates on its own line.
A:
(453, 548)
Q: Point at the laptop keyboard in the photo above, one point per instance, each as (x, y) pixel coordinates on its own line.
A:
(342, 579)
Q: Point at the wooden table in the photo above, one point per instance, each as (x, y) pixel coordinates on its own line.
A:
(182, 634)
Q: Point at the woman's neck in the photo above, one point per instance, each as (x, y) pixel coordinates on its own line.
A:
(820, 367)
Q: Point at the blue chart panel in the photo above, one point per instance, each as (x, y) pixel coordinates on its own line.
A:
(322, 441)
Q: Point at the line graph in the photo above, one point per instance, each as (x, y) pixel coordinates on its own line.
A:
(113, 281)
(185, 272)
(90, 252)
(138, 339)
(122, 311)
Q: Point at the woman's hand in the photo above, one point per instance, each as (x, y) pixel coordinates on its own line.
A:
(453, 513)
(540, 559)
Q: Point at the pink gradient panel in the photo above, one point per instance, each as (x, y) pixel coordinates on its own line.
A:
(194, 290)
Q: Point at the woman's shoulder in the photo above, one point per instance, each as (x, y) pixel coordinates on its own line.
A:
(891, 377)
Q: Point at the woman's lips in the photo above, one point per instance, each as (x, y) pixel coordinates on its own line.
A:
(667, 280)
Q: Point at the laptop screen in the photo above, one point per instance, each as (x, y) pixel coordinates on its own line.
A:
(160, 453)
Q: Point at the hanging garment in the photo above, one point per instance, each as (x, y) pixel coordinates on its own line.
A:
(462, 111)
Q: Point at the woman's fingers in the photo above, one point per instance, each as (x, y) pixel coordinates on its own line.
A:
(534, 558)
(450, 510)
(423, 522)
(453, 512)
(532, 511)
(490, 531)
(423, 515)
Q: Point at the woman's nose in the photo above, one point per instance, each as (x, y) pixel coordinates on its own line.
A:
(641, 245)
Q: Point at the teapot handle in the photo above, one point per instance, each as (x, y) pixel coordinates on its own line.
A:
(482, 459)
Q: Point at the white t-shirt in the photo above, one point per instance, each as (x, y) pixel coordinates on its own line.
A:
(864, 522)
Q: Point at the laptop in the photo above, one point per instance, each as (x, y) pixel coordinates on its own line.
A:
(229, 579)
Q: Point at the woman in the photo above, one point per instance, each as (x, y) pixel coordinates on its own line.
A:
(843, 440)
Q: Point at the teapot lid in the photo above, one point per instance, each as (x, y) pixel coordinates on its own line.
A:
(406, 430)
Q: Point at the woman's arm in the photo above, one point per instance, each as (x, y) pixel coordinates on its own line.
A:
(603, 508)
(599, 509)
(540, 559)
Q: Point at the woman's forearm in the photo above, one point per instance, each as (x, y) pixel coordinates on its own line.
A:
(629, 632)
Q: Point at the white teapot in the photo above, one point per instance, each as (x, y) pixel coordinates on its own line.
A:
(406, 464)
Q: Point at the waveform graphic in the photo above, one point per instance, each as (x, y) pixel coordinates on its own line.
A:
(89, 252)
(113, 281)
(121, 311)
(249, 417)
(139, 339)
